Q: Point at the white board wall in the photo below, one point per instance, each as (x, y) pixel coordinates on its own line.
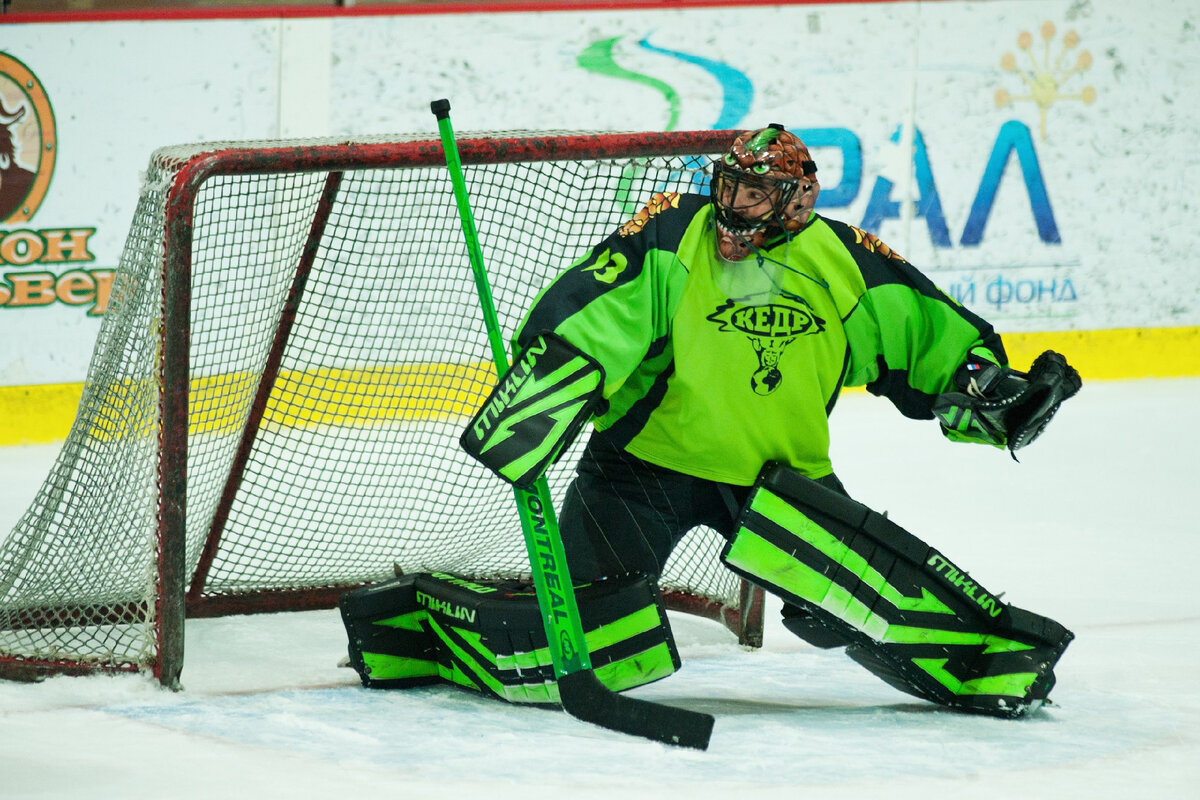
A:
(1053, 171)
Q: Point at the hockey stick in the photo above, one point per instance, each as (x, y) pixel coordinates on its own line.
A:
(581, 693)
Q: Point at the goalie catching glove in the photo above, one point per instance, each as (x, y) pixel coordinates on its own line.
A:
(1003, 407)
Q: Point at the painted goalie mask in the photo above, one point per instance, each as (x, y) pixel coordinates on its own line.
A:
(763, 186)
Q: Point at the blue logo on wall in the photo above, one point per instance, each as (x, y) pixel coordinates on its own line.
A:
(1013, 140)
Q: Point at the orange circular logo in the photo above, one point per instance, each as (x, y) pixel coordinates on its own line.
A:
(28, 144)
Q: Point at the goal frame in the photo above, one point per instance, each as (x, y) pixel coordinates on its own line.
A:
(175, 600)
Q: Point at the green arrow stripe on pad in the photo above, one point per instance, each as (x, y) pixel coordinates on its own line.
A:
(901, 634)
(408, 622)
(383, 667)
(617, 631)
(1013, 685)
(640, 668)
(479, 672)
(762, 558)
(626, 627)
(518, 467)
(791, 519)
(621, 674)
(532, 387)
(504, 431)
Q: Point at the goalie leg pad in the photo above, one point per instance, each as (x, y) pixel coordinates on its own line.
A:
(905, 611)
(489, 636)
(535, 411)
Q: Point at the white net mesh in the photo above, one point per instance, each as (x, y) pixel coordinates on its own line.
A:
(354, 465)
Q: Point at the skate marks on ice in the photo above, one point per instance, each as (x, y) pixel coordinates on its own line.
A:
(769, 708)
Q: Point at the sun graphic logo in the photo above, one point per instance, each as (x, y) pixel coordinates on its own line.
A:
(1047, 73)
(27, 141)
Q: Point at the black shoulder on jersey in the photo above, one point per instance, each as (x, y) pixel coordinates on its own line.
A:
(615, 261)
(662, 221)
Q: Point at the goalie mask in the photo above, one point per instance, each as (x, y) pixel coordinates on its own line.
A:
(764, 186)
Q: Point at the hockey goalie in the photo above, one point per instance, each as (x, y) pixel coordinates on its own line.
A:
(707, 340)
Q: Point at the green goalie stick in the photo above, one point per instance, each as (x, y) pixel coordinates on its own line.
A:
(582, 694)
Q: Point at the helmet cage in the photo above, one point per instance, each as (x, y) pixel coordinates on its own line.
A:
(728, 179)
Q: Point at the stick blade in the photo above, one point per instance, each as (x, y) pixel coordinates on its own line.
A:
(585, 697)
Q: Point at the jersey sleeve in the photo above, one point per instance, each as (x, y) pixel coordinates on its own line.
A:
(615, 302)
(906, 336)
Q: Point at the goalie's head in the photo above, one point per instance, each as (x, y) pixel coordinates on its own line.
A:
(763, 186)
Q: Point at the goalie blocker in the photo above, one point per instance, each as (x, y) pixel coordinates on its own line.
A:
(489, 636)
(535, 410)
(902, 609)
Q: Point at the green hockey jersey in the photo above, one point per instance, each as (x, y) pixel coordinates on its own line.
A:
(714, 368)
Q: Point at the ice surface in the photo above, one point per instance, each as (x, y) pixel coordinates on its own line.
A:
(1094, 528)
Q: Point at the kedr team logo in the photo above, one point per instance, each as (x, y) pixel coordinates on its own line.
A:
(770, 327)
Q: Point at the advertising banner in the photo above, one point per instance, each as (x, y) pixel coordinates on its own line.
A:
(1032, 157)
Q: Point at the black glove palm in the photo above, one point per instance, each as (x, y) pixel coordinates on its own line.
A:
(1000, 406)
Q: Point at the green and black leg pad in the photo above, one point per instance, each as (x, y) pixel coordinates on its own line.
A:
(902, 609)
(489, 636)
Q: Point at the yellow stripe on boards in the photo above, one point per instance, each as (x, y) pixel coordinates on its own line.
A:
(43, 413)
(37, 414)
(1116, 354)
(219, 404)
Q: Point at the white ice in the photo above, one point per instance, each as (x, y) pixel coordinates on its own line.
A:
(1095, 528)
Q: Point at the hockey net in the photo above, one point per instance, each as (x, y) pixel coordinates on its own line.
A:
(292, 346)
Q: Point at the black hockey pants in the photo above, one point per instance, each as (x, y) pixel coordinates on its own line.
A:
(622, 514)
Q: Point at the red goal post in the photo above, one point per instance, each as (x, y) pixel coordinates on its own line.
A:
(291, 348)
